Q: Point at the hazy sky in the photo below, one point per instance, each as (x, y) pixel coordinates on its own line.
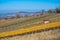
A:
(18, 5)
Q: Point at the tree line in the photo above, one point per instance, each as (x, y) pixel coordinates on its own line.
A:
(56, 10)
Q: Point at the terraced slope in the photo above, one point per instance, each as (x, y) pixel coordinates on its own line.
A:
(53, 34)
(14, 29)
(27, 22)
(31, 29)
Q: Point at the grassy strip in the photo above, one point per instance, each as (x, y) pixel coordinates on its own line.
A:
(31, 29)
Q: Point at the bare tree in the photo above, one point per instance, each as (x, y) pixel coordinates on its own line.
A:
(17, 15)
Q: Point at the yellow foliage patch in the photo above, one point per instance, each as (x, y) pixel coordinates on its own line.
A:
(31, 29)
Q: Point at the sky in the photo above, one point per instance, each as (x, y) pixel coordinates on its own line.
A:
(27, 5)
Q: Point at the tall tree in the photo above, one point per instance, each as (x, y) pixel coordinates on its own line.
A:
(43, 11)
(50, 11)
(58, 10)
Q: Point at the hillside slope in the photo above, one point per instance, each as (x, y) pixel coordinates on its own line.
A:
(27, 22)
(30, 24)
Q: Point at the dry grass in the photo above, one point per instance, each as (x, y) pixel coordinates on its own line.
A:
(45, 35)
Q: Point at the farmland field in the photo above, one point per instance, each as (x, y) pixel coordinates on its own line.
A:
(27, 22)
(53, 34)
(22, 23)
